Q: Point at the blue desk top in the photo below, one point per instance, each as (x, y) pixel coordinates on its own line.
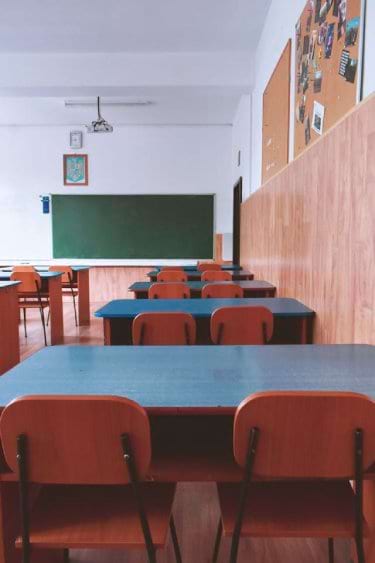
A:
(44, 275)
(227, 267)
(198, 285)
(41, 269)
(194, 274)
(280, 307)
(184, 377)
(4, 284)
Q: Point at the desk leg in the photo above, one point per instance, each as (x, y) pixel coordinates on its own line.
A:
(107, 332)
(56, 310)
(83, 278)
(306, 330)
(9, 319)
(10, 529)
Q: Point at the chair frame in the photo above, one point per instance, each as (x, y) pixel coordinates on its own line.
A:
(41, 309)
(134, 482)
(254, 436)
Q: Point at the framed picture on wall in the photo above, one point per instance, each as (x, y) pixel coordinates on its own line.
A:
(76, 170)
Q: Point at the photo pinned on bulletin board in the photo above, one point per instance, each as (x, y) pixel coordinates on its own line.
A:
(318, 118)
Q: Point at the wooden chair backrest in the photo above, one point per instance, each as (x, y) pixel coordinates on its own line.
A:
(221, 290)
(216, 275)
(169, 291)
(76, 439)
(205, 266)
(305, 435)
(30, 281)
(172, 276)
(241, 325)
(65, 270)
(164, 329)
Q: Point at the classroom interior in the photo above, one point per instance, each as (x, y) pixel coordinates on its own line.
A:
(187, 281)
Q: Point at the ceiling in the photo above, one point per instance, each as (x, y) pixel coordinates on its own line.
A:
(130, 25)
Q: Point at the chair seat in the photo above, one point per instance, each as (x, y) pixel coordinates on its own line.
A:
(98, 516)
(291, 509)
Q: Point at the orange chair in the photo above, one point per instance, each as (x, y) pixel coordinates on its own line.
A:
(165, 268)
(172, 276)
(23, 268)
(169, 291)
(68, 286)
(221, 290)
(241, 325)
(92, 453)
(216, 275)
(205, 266)
(164, 329)
(298, 451)
(30, 295)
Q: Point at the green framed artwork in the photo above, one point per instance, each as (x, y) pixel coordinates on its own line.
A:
(76, 170)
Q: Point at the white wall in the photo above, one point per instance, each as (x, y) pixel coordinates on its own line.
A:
(279, 27)
(135, 159)
(241, 140)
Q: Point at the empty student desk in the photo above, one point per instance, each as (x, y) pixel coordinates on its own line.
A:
(191, 394)
(9, 319)
(81, 278)
(194, 275)
(51, 284)
(194, 268)
(292, 320)
(252, 288)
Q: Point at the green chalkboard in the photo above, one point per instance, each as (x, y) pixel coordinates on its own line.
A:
(133, 226)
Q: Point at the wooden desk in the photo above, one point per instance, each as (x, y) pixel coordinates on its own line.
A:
(81, 278)
(252, 288)
(9, 320)
(293, 321)
(51, 284)
(190, 393)
(194, 275)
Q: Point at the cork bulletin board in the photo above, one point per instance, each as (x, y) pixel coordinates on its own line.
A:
(276, 104)
(327, 66)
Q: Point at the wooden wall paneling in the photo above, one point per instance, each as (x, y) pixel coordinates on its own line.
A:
(334, 92)
(276, 112)
(310, 230)
(112, 282)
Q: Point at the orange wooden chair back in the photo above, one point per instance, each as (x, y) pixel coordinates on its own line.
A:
(241, 325)
(30, 281)
(175, 268)
(205, 266)
(65, 270)
(221, 290)
(23, 269)
(76, 439)
(169, 291)
(305, 435)
(216, 275)
(164, 329)
(172, 276)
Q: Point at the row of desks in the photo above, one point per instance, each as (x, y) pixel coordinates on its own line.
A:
(251, 288)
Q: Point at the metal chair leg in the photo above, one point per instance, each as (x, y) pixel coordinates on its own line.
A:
(219, 534)
(360, 551)
(176, 546)
(75, 308)
(331, 551)
(24, 322)
(48, 316)
(66, 555)
(44, 325)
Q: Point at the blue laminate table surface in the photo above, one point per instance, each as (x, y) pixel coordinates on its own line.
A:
(41, 269)
(190, 377)
(194, 268)
(5, 284)
(5, 275)
(198, 285)
(129, 308)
